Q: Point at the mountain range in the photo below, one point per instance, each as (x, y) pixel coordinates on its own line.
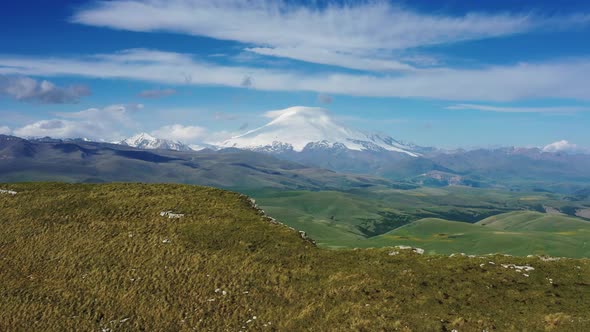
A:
(147, 141)
(310, 137)
(76, 160)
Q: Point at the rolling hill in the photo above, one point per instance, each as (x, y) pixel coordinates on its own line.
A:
(102, 257)
(516, 233)
(440, 220)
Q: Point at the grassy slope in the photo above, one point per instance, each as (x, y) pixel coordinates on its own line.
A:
(86, 257)
(518, 233)
(332, 219)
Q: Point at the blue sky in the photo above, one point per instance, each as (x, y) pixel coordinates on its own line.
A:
(440, 73)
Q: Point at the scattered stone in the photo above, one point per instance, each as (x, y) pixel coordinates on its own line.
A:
(518, 268)
(416, 250)
(124, 320)
(166, 241)
(9, 192)
(171, 215)
(304, 236)
(393, 253)
(549, 259)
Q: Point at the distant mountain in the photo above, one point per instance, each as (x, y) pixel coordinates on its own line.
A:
(81, 161)
(297, 129)
(149, 142)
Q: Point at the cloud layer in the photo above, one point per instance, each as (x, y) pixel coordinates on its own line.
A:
(178, 132)
(563, 146)
(557, 79)
(505, 109)
(366, 35)
(93, 123)
(27, 89)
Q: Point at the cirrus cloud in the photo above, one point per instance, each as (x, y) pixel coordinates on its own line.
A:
(508, 109)
(365, 35)
(554, 79)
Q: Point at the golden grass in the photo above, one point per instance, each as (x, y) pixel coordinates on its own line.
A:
(93, 257)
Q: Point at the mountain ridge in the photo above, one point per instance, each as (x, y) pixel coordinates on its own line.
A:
(149, 142)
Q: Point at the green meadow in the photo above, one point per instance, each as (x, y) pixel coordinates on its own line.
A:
(439, 220)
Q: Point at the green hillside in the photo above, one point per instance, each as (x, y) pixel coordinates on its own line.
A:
(535, 221)
(441, 220)
(517, 235)
(102, 258)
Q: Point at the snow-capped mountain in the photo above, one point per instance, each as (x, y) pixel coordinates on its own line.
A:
(298, 128)
(147, 141)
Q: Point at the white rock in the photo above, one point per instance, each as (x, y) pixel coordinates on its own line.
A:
(518, 268)
(549, 259)
(171, 215)
(9, 192)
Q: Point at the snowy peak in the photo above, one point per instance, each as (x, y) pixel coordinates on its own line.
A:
(297, 128)
(147, 141)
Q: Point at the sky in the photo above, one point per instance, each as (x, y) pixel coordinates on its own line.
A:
(455, 73)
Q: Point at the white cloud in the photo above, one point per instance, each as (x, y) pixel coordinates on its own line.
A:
(565, 79)
(562, 146)
(27, 89)
(364, 35)
(277, 113)
(5, 130)
(93, 123)
(503, 109)
(333, 58)
(156, 93)
(185, 134)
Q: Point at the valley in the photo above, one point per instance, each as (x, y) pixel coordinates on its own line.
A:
(439, 220)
